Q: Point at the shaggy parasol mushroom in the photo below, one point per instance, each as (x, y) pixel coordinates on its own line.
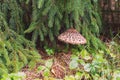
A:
(72, 36)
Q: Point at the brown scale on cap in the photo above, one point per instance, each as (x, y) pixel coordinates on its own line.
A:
(72, 36)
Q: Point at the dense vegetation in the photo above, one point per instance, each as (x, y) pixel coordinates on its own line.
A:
(15, 50)
(25, 23)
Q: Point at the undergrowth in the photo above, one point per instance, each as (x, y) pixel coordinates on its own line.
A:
(15, 50)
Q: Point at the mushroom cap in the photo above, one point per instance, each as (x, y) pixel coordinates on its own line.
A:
(72, 36)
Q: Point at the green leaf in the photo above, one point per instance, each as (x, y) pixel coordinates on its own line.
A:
(49, 63)
(32, 63)
(5, 77)
(78, 75)
(40, 3)
(22, 57)
(87, 67)
(17, 76)
(85, 55)
(99, 58)
(73, 64)
(82, 62)
(118, 78)
(40, 68)
(51, 36)
(41, 35)
(46, 72)
(27, 1)
(35, 35)
(74, 57)
(31, 28)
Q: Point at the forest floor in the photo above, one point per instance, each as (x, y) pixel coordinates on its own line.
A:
(58, 69)
(54, 67)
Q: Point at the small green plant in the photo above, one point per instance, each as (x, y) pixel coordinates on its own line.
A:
(94, 66)
(50, 51)
(114, 54)
(14, 76)
(45, 69)
(74, 62)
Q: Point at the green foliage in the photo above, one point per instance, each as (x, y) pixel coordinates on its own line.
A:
(50, 51)
(49, 17)
(46, 68)
(13, 76)
(15, 16)
(74, 62)
(15, 50)
(96, 66)
(114, 53)
(46, 19)
(16, 53)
